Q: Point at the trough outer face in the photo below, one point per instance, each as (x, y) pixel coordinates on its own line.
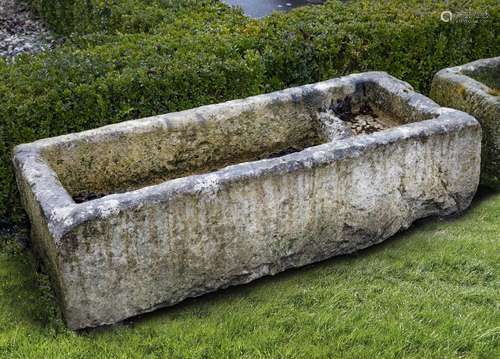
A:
(127, 254)
(452, 87)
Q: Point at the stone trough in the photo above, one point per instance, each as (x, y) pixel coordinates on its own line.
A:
(475, 89)
(143, 214)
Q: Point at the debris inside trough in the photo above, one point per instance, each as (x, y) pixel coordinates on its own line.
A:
(362, 119)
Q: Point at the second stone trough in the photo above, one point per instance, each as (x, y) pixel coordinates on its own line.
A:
(475, 89)
(143, 214)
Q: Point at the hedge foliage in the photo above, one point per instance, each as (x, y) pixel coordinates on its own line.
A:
(133, 58)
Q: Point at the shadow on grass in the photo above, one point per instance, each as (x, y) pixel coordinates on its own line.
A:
(483, 194)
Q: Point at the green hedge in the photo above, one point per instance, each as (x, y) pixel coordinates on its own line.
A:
(87, 16)
(134, 58)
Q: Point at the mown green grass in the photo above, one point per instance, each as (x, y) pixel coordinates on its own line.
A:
(431, 292)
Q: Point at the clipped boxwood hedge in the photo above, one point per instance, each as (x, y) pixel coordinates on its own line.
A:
(88, 16)
(133, 58)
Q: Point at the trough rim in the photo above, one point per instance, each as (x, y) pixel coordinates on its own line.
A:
(458, 75)
(63, 214)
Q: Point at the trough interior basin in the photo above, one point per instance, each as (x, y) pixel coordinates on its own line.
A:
(188, 144)
(488, 75)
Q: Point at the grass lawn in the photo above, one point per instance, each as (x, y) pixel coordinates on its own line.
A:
(431, 292)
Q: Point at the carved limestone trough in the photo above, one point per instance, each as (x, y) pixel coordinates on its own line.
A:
(475, 89)
(143, 214)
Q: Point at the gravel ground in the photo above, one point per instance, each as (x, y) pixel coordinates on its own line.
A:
(20, 30)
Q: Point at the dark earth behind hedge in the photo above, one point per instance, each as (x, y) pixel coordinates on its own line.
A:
(133, 58)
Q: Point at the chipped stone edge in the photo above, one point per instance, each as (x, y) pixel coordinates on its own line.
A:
(62, 214)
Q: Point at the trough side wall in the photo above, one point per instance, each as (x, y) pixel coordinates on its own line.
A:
(31, 171)
(255, 219)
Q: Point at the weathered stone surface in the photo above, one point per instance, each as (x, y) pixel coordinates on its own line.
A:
(333, 127)
(475, 89)
(189, 232)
